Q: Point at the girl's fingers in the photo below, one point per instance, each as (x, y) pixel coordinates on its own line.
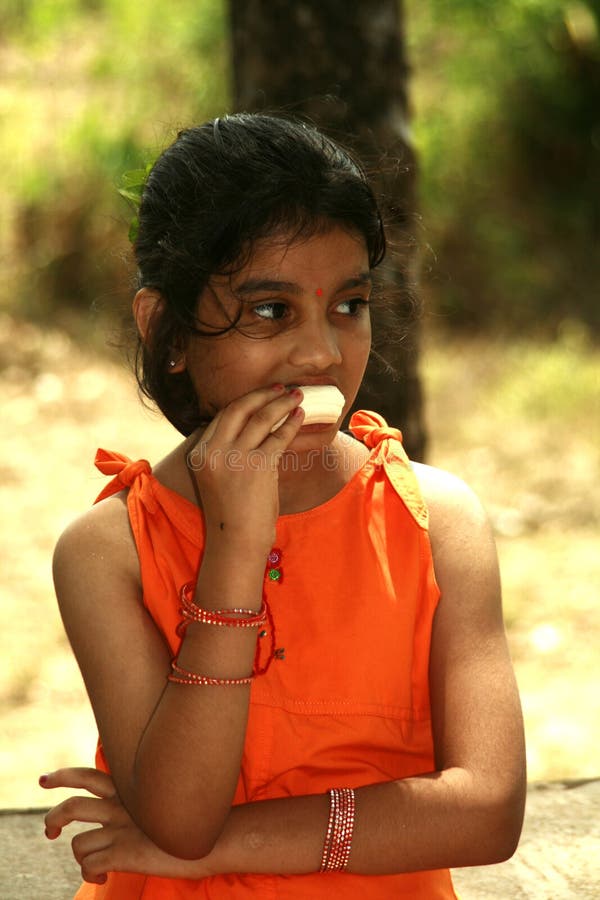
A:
(93, 879)
(92, 780)
(254, 414)
(273, 427)
(77, 809)
(95, 866)
(229, 421)
(88, 842)
(287, 428)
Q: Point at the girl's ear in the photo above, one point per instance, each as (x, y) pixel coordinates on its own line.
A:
(148, 304)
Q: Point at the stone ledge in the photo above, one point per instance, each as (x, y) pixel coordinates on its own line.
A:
(558, 857)
(559, 853)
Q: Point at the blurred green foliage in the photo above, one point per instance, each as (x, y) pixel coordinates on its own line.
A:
(506, 97)
(507, 125)
(91, 89)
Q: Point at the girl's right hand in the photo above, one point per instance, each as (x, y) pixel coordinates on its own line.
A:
(235, 464)
(118, 845)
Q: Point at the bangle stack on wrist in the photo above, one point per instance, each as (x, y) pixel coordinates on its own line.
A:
(236, 617)
(340, 827)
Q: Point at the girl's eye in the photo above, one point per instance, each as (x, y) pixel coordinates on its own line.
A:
(357, 305)
(270, 310)
(276, 310)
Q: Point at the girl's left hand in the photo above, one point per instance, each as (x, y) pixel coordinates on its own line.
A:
(118, 845)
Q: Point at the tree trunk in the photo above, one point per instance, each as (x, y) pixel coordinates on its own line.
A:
(343, 65)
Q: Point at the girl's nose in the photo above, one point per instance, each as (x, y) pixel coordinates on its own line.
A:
(315, 345)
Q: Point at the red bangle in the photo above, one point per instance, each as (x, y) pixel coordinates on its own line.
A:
(236, 617)
(340, 828)
(240, 618)
(183, 676)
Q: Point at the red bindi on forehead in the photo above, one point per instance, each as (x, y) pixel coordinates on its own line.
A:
(319, 292)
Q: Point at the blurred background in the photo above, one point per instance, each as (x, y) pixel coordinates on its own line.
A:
(497, 106)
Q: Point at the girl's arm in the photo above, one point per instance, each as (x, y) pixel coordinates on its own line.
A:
(175, 750)
(469, 811)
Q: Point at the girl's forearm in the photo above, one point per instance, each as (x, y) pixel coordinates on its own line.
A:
(427, 822)
(188, 760)
(442, 820)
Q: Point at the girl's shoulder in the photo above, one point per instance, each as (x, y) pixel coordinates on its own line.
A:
(443, 488)
(462, 544)
(99, 539)
(455, 511)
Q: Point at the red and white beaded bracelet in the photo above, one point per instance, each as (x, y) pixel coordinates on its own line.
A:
(340, 828)
(236, 617)
(183, 676)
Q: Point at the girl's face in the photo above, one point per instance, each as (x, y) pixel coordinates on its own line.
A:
(305, 320)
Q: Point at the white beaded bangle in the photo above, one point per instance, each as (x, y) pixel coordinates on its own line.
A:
(340, 828)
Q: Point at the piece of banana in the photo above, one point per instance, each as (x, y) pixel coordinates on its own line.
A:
(321, 403)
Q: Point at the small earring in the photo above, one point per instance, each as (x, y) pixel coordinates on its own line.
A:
(172, 363)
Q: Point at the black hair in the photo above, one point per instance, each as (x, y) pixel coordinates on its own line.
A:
(218, 189)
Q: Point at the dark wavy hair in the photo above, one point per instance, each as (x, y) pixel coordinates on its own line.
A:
(209, 197)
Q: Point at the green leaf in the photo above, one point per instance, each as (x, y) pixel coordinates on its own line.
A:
(134, 178)
(133, 183)
(134, 229)
(132, 194)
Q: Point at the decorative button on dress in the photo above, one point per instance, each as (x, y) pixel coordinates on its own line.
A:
(345, 702)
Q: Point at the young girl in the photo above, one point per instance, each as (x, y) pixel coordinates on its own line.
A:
(291, 637)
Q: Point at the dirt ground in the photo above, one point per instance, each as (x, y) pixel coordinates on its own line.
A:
(520, 423)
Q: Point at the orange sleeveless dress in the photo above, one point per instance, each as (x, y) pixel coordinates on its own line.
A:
(345, 701)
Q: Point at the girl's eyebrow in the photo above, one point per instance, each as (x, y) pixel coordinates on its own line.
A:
(358, 281)
(255, 285)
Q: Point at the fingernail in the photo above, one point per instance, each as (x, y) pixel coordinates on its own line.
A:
(43, 780)
(277, 387)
